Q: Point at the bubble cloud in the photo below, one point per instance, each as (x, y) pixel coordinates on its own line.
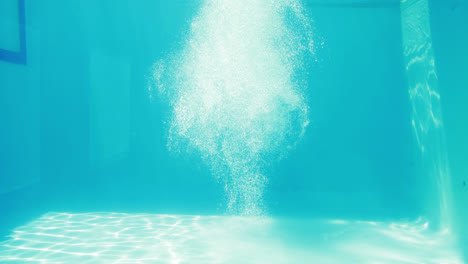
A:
(236, 91)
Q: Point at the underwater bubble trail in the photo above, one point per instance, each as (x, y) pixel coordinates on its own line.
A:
(236, 91)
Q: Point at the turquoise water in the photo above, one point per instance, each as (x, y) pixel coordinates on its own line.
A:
(222, 131)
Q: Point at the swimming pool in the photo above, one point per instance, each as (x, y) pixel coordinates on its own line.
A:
(222, 131)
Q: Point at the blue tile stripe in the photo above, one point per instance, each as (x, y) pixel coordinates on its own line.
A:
(13, 56)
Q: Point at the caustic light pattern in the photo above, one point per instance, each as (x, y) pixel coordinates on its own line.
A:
(424, 97)
(145, 238)
(236, 91)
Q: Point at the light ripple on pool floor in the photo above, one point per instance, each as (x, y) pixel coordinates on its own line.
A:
(149, 238)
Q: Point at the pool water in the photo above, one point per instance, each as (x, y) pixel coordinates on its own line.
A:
(233, 131)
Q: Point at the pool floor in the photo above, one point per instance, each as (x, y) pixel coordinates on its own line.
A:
(152, 238)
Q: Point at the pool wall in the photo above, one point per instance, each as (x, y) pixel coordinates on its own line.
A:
(449, 22)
